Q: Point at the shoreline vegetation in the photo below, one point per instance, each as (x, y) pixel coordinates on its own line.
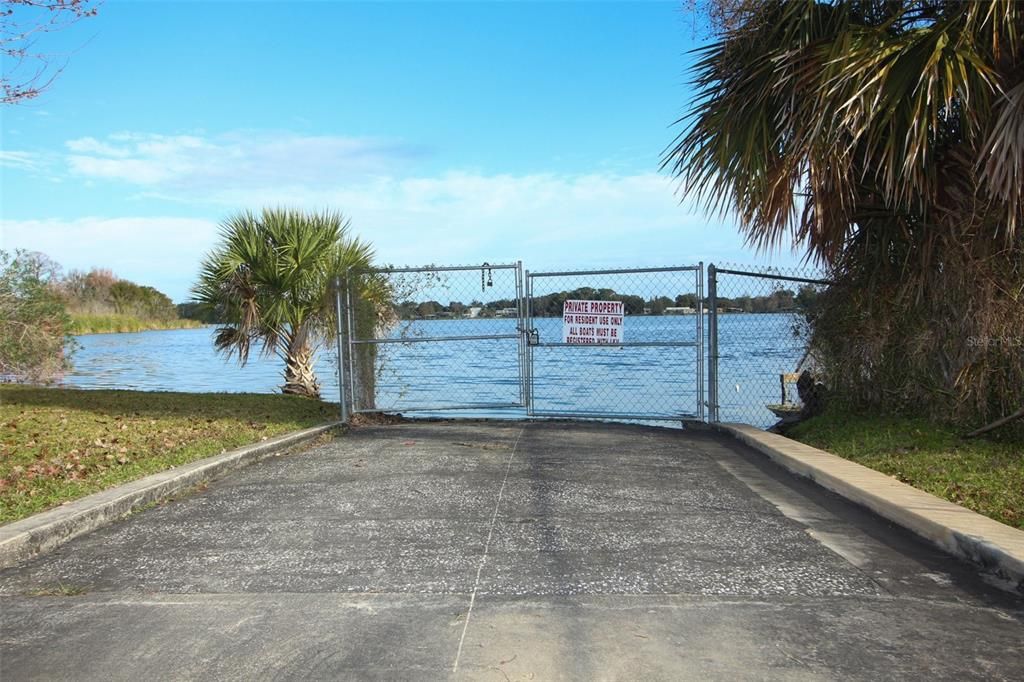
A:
(60, 444)
(113, 324)
(100, 302)
(985, 475)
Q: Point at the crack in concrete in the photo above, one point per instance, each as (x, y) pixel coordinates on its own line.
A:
(487, 545)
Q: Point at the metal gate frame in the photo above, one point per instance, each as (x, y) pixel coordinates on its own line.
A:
(713, 405)
(697, 343)
(347, 347)
(348, 340)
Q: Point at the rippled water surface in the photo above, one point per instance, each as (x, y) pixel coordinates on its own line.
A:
(754, 350)
(173, 360)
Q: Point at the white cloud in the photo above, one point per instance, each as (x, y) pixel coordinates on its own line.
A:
(457, 215)
(189, 164)
(90, 145)
(29, 161)
(163, 252)
(546, 220)
(596, 219)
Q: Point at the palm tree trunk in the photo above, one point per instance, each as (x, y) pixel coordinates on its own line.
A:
(299, 377)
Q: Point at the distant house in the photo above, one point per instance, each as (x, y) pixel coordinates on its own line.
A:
(473, 311)
(507, 312)
(680, 310)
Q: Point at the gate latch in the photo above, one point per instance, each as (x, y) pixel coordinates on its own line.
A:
(532, 335)
(486, 277)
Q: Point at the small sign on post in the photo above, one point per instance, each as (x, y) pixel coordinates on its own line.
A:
(592, 322)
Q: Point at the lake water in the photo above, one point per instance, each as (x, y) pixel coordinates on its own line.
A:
(754, 349)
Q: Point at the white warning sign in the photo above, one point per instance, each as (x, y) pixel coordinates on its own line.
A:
(592, 322)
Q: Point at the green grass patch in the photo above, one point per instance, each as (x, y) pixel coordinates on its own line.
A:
(107, 324)
(58, 590)
(984, 475)
(59, 444)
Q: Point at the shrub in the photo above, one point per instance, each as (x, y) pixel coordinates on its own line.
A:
(34, 325)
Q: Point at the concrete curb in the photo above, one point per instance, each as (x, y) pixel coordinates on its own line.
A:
(44, 531)
(994, 546)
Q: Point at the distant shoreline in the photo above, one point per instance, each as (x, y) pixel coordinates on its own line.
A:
(106, 325)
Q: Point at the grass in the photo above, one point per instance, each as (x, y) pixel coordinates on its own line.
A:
(106, 324)
(59, 444)
(58, 590)
(986, 476)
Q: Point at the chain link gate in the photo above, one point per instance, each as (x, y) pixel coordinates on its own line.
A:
(759, 324)
(648, 363)
(447, 338)
(489, 340)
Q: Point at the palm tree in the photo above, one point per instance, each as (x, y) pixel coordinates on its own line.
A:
(270, 283)
(886, 137)
(813, 119)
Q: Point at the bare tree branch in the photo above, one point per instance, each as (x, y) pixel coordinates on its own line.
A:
(996, 424)
(29, 69)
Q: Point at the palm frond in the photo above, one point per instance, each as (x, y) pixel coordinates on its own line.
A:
(270, 278)
(856, 105)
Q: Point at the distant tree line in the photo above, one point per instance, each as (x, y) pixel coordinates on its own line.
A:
(411, 310)
(192, 310)
(551, 305)
(101, 292)
(781, 300)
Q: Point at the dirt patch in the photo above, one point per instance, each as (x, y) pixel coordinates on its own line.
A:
(483, 446)
(377, 419)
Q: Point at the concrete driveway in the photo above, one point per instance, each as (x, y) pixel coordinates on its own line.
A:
(506, 551)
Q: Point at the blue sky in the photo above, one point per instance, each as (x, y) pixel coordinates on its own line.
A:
(449, 133)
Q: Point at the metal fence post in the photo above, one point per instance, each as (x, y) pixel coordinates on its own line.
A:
(700, 341)
(712, 343)
(521, 328)
(341, 355)
(527, 292)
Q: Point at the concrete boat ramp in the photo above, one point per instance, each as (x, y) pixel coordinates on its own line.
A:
(507, 551)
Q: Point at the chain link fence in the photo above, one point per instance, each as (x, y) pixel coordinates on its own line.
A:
(633, 344)
(758, 335)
